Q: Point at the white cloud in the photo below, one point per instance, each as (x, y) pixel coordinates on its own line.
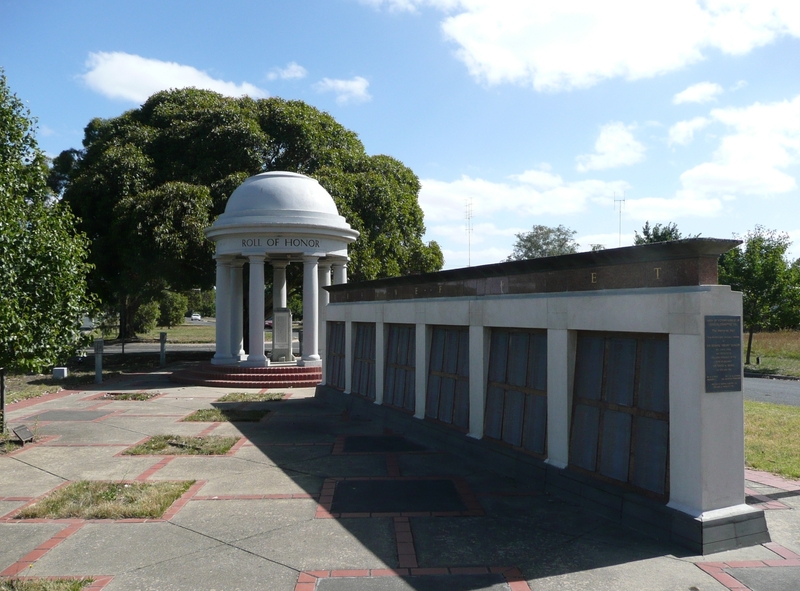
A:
(347, 91)
(765, 140)
(702, 92)
(134, 78)
(614, 147)
(292, 71)
(682, 132)
(683, 204)
(529, 194)
(570, 44)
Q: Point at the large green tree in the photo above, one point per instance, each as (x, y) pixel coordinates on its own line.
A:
(659, 233)
(544, 241)
(146, 183)
(769, 284)
(43, 259)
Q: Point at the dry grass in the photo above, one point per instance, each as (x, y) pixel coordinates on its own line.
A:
(138, 396)
(179, 445)
(8, 443)
(779, 353)
(771, 438)
(222, 415)
(245, 397)
(44, 584)
(107, 500)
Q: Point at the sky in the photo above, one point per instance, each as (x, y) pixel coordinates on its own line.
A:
(598, 116)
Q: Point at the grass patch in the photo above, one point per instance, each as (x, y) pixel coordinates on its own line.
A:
(107, 500)
(179, 445)
(8, 443)
(245, 397)
(222, 415)
(770, 438)
(44, 584)
(189, 332)
(140, 396)
(22, 386)
(779, 352)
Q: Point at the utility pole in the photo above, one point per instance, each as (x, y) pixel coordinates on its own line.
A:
(621, 203)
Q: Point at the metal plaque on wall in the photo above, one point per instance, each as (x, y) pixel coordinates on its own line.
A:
(723, 353)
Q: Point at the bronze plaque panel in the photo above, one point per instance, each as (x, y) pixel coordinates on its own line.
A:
(723, 353)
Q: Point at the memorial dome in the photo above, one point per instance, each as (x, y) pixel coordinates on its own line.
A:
(285, 202)
(280, 191)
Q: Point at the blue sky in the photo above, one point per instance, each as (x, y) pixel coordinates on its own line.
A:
(535, 112)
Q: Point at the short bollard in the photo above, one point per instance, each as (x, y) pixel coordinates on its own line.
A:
(163, 338)
(98, 361)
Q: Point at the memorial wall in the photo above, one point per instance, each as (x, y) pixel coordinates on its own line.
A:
(610, 377)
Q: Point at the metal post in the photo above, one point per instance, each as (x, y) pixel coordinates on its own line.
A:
(2, 400)
(98, 361)
(163, 336)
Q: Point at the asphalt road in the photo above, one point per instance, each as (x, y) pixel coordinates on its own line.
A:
(775, 391)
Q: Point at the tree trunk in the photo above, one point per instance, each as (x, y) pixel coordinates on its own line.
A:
(749, 345)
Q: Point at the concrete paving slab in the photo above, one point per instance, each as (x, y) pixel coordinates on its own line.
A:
(242, 479)
(375, 444)
(329, 544)
(7, 507)
(68, 415)
(21, 480)
(217, 569)
(17, 539)
(282, 455)
(396, 496)
(784, 527)
(87, 463)
(492, 582)
(785, 578)
(652, 574)
(436, 464)
(103, 432)
(229, 521)
(339, 466)
(110, 548)
(148, 426)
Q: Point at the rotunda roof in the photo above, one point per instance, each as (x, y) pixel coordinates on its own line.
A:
(281, 202)
(280, 191)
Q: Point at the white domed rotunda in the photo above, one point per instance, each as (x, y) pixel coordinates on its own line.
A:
(277, 218)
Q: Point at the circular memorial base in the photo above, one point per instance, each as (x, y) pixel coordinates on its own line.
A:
(228, 376)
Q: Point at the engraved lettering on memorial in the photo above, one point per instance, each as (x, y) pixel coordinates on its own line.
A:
(723, 353)
(249, 242)
(594, 277)
(658, 272)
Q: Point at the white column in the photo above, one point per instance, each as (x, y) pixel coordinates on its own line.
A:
(223, 328)
(478, 370)
(324, 298)
(561, 346)
(279, 283)
(256, 358)
(237, 311)
(339, 273)
(310, 312)
(421, 370)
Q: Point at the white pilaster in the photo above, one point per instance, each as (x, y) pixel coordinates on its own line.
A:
(310, 312)
(348, 356)
(380, 360)
(561, 346)
(421, 370)
(237, 311)
(478, 370)
(256, 358)
(223, 341)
